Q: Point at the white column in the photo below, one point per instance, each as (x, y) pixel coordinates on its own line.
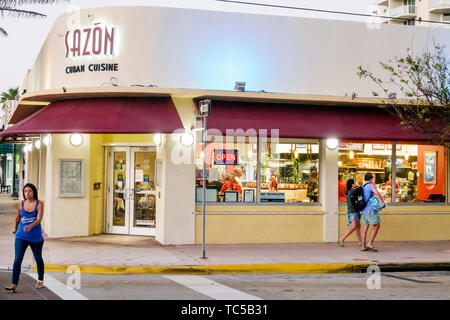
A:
(175, 217)
(48, 203)
(328, 190)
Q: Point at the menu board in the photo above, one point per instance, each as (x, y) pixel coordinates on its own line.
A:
(71, 178)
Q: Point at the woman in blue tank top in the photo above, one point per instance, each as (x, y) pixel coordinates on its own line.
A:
(28, 232)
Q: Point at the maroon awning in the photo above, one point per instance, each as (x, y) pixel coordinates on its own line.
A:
(310, 121)
(102, 115)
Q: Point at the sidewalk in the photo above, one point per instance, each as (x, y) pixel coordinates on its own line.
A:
(115, 254)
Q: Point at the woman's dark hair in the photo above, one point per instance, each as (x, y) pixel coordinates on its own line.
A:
(350, 183)
(32, 187)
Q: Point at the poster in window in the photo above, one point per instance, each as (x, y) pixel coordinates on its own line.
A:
(430, 167)
(398, 147)
(139, 176)
(378, 146)
(71, 178)
(249, 195)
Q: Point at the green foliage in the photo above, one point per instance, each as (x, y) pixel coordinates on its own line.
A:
(424, 82)
(11, 94)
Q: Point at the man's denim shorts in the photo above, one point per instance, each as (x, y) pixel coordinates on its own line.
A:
(371, 218)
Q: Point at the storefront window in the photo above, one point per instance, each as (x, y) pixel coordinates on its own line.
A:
(231, 171)
(289, 172)
(357, 159)
(420, 172)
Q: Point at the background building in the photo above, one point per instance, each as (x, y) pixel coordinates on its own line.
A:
(412, 12)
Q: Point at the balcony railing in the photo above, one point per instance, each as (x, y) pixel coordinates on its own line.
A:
(439, 6)
(403, 12)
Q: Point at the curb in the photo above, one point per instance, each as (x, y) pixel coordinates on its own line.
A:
(253, 268)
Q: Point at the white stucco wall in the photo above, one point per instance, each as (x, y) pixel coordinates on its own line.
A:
(66, 217)
(185, 48)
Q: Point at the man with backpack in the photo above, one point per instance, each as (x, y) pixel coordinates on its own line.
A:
(369, 214)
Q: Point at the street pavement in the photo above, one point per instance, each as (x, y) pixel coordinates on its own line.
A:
(26, 290)
(248, 287)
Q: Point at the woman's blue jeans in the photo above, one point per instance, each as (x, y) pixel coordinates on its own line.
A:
(20, 248)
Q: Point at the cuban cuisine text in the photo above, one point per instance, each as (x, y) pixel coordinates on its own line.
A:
(93, 67)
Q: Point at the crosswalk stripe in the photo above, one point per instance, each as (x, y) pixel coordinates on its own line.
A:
(59, 288)
(210, 288)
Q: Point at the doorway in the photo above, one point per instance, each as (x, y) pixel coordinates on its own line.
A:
(132, 194)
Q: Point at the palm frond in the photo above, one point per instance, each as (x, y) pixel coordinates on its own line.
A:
(16, 3)
(11, 8)
(18, 13)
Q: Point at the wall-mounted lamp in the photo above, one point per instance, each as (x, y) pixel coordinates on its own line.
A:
(27, 148)
(46, 140)
(157, 139)
(351, 154)
(37, 144)
(187, 139)
(76, 139)
(332, 143)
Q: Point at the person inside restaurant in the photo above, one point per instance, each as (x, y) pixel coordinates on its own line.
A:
(237, 173)
(236, 186)
(273, 186)
(313, 187)
(227, 184)
(342, 188)
(388, 186)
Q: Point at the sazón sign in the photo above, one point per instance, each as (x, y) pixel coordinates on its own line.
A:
(95, 41)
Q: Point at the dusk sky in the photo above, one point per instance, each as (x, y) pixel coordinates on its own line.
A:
(26, 36)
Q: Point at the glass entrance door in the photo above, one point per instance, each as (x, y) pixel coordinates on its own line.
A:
(143, 191)
(132, 191)
(119, 190)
